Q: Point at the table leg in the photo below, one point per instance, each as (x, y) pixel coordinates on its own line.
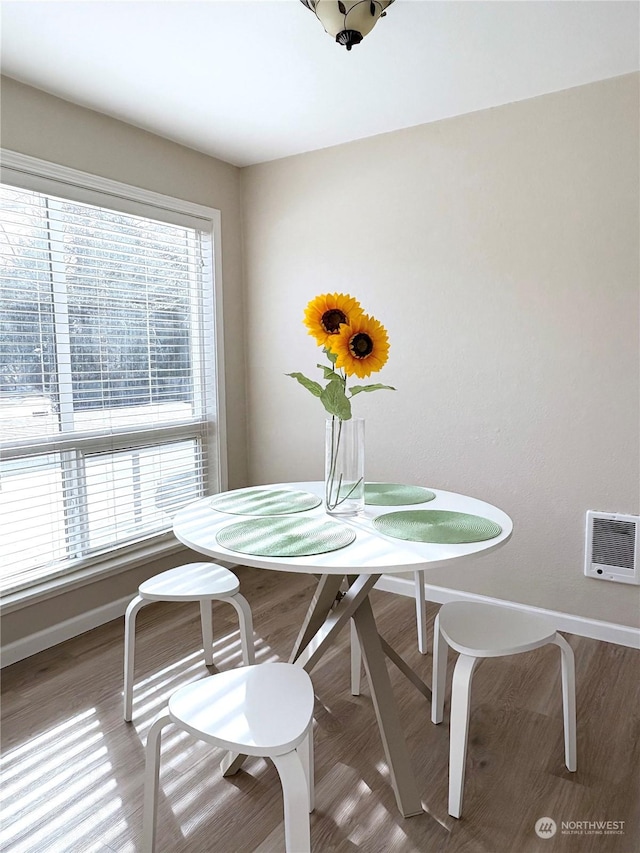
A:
(321, 603)
(421, 611)
(395, 747)
(335, 621)
(231, 763)
(405, 669)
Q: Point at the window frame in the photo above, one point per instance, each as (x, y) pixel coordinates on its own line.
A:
(30, 173)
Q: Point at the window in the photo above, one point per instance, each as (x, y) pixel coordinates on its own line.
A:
(108, 393)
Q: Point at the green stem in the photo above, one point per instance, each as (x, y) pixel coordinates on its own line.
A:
(332, 494)
(330, 482)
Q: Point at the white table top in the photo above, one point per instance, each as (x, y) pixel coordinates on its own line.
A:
(371, 553)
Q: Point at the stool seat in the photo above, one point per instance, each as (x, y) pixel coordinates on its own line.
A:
(263, 709)
(201, 582)
(487, 630)
(191, 582)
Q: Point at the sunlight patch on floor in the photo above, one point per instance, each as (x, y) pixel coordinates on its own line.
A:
(31, 765)
(35, 743)
(54, 783)
(26, 792)
(86, 816)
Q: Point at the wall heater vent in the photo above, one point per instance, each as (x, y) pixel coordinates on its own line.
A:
(612, 549)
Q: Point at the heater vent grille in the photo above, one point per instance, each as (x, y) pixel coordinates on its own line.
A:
(612, 547)
(614, 542)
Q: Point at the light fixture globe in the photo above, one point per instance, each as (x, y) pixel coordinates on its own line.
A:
(348, 21)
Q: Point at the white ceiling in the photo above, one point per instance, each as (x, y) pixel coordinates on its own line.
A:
(254, 80)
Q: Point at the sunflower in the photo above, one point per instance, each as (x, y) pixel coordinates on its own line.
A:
(325, 315)
(362, 348)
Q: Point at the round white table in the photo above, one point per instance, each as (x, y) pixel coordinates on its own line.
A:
(361, 563)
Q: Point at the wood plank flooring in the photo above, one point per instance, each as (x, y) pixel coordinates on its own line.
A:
(72, 769)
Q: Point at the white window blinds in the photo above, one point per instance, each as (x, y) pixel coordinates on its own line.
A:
(107, 379)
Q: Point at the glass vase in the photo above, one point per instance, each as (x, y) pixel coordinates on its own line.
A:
(344, 467)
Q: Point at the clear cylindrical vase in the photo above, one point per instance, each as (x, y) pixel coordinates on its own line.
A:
(344, 466)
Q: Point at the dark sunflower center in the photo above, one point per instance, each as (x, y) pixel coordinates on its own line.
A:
(332, 319)
(361, 345)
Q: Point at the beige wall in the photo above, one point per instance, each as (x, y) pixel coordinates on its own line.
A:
(501, 250)
(40, 125)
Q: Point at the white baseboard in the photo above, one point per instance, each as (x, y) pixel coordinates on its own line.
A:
(41, 640)
(609, 632)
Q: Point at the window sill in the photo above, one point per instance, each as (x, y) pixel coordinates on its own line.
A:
(107, 566)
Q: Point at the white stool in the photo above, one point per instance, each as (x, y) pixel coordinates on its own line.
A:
(478, 630)
(203, 582)
(419, 578)
(264, 710)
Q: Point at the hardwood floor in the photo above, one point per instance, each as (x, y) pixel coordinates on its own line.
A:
(72, 769)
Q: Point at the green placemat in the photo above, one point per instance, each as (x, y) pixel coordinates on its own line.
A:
(285, 537)
(395, 494)
(264, 501)
(437, 526)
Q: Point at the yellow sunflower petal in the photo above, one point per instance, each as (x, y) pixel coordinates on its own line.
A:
(362, 348)
(327, 313)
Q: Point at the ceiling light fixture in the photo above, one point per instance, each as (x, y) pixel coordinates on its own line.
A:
(348, 21)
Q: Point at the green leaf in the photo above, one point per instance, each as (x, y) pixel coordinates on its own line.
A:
(329, 374)
(336, 401)
(330, 355)
(377, 387)
(309, 384)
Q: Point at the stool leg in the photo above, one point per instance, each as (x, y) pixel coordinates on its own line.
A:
(439, 676)
(459, 730)
(151, 777)
(295, 792)
(568, 701)
(305, 751)
(129, 652)
(245, 621)
(356, 660)
(206, 620)
(421, 611)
